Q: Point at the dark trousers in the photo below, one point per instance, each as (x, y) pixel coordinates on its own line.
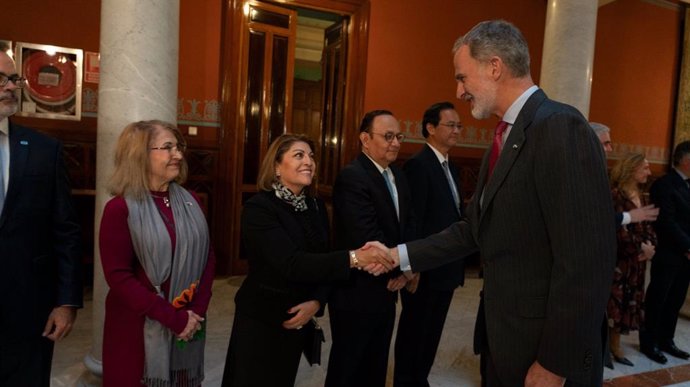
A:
(261, 354)
(665, 296)
(419, 333)
(361, 342)
(26, 363)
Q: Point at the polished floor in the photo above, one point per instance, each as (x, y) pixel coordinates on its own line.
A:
(455, 364)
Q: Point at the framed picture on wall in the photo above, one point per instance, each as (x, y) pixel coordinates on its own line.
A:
(54, 76)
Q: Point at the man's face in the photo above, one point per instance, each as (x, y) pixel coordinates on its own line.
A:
(375, 144)
(8, 98)
(605, 139)
(474, 83)
(445, 134)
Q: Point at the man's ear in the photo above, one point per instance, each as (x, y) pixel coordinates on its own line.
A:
(364, 139)
(430, 128)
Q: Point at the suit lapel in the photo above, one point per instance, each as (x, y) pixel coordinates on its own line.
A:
(440, 179)
(19, 152)
(511, 149)
(379, 181)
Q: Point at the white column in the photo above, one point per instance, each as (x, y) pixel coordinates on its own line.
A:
(566, 67)
(138, 81)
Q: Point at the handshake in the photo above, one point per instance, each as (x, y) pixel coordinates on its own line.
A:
(375, 258)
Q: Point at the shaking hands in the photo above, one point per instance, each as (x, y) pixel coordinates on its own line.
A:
(374, 257)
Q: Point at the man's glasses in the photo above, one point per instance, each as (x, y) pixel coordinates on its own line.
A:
(18, 81)
(170, 148)
(390, 136)
(455, 125)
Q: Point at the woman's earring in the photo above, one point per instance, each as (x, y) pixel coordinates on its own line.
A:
(277, 174)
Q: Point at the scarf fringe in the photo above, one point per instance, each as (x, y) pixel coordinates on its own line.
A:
(178, 378)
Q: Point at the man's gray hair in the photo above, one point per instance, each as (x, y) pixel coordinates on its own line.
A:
(497, 38)
(599, 128)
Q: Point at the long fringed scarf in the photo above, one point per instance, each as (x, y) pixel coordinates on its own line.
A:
(169, 365)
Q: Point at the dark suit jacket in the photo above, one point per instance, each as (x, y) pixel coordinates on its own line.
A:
(364, 211)
(39, 236)
(544, 231)
(434, 208)
(288, 257)
(671, 194)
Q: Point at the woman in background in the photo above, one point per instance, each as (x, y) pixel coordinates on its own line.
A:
(285, 233)
(635, 247)
(156, 258)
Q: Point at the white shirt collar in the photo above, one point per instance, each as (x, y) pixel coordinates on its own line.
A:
(441, 157)
(380, 168)
(511, 114)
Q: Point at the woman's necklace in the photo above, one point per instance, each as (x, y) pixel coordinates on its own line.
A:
(166, 200)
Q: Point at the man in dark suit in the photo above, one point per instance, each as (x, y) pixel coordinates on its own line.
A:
(541, 218)
(371, 202)
(39, 245)
(437, 203)
(670, 273)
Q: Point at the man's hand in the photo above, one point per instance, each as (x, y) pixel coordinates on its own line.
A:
(648, 251)
(538, 376)
(374, 257)
(60, 322)
(646, 213)
(395, 284)
(412, 283)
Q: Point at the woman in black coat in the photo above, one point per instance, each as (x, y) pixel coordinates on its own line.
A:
(285, 234)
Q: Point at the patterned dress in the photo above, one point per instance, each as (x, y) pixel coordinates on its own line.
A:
(625, 309)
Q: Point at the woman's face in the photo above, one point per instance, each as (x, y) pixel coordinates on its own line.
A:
(296, 170)
(642, 173)
(165, 159)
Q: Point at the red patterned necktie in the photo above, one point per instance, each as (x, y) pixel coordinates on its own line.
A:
(496, 147)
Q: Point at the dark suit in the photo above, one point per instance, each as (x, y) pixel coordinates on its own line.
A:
(362, 310)
(543, 228)
(424, 312)
(670, 273)
(40, 255)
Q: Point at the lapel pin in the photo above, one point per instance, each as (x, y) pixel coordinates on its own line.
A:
(24, 142)
(515, 146)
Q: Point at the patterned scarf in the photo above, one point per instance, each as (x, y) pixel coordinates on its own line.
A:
(284, 194)
(167, 364)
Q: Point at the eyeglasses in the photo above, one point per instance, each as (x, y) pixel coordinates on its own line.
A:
(455, 125)
(390, 136)
(170, 148)
(18, 81)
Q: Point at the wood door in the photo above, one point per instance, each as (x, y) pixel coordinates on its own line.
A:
(252, 99)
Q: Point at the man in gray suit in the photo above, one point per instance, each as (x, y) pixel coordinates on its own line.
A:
(541, 218)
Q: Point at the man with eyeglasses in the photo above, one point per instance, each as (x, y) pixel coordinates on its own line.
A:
(39, 245)
(371, 202)
(435, 187)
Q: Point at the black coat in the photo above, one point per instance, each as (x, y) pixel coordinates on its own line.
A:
(434, 208)
(671, 194)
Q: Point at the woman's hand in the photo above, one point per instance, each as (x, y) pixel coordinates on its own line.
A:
(648, 251)
(303, 313)
(193, 325)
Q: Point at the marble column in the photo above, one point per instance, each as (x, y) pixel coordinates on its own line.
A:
(138, 81)
(566, 67)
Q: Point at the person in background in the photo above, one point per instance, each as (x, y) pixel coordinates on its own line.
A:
(371, 202)
(40, 245)
(635, 247)
(670, 274)
(285, 233)
(435, 188)
(157, 261)
(646, 213)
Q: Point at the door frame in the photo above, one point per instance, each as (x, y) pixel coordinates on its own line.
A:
(225, 225)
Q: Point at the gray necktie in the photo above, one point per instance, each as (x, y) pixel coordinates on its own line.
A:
(392, 190)
(2, 174)
(451, 183)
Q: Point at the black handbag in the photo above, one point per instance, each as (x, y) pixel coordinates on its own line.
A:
(313, 337)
